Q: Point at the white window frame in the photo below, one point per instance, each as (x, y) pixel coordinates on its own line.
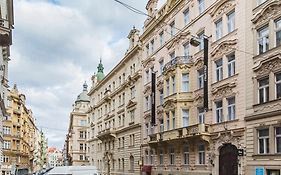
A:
(186, 16)
(264, 140)
(219, 69)
(200, 74)
(278, 31)
(147, 50)
(185, 117)
(201, 115)
(277, 85)
(167, 87)
(172, 156)
(133, 92)
(186, 49)
(264, 89)
(161, 96)
(201, 6)
(277, 137)
(161, 66)
(186, 155)
(173, 84)
(263, 39)
(231, 108)
(172, 55)
(201, 155)
(231, 65)
(173, 120)
(161, 38)
(167, 121)
(219, 112)
(172, 28)
(152, 46)
(231, 21)
(219, 30)
(185, 82)
(259, 2)
(161, 157)
(201, 39)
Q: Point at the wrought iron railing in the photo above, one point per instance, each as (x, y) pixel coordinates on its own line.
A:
(177, 61)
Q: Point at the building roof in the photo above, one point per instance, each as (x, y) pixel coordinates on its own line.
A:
(83, 96)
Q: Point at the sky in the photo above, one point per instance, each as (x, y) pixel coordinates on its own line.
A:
(56, 47)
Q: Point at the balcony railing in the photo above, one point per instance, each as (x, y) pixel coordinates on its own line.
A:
(179, 60)
(106, 133)
(178, 133)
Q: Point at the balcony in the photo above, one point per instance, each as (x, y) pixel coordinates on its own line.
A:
(190, 132)
(106, 134)
(177, 61)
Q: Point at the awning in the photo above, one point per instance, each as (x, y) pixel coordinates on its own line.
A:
(146, 168)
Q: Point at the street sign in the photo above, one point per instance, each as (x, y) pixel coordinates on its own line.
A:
(259, 170)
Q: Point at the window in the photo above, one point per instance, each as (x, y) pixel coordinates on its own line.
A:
(147, 103)
(259, 2)
(278, 32)
(5, 158)
(231, 65)
(147, 129)
(132, 167)
(185, 117)
(161, 63)
(161, 36)
(185, 83)
(152, 46)
(161, 96)
(168, 121)
(147, 76)
(123, 164)
(201, 5)
(272, 172)
(263, 141)
(172, 156)
(6, 130)
(81, 146)
(151, 157)
(201, 39)
(219, 111)
(264, 90)
(201, 151)
(167, 87)
(186, 155)
(123, 98)
(133, 92)
(263, 40)
(172, 55)
(231, 108)
(231, 22)
(146, 156)
(218, 29)
(201, 115)
(278, 85)
(132, 115)
(161, 158)
(83, 122)
(173, 85)
(172, 26)
(81, 134)
(186, 16)
(161, 125)
(173, 119)
(278, 139)
(147, 50)
(6, 145)
(219, 70)
(186, 50)
(200, 78)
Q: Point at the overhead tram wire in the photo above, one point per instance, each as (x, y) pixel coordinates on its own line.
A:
(135, 10)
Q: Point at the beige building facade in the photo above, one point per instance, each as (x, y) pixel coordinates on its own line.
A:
(115, 115)
(77, 132)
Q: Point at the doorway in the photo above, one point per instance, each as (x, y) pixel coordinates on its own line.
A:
(228, 160)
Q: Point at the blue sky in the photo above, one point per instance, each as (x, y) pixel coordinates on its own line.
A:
(56, 47)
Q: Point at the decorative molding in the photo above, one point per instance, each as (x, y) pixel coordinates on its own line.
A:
(199, 64)
(223, 48)
(270, 11)
(269, 65)
(159, 84)
(268, 107)
(224, 90)
(178, 39)
(148, 62)
(147, 89)
(198, 98)
(169, 105)
(131, 104)
(222, 7)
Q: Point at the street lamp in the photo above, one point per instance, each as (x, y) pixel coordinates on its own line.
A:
(195, 41)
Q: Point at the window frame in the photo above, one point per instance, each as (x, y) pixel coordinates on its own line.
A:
(185, 118)
(231, 21)
(265, 141)
(277, 85)
(219, 111)
(231, 110)
(219, 29)
(201, 155)
(263, 37)
(185, 82)
(219, 69)
(201, 6)
(277, 137)
(265, 89)
(231, 61)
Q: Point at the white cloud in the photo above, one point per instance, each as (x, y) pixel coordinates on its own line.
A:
(57, 46)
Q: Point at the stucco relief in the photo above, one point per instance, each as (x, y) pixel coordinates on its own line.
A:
(199, 64)
(223, 48)
(269, 65)
(148, 62)
(271, 11)
(225, 90)
(159, 84)
(178, 40)
(222, 7)
(268, 107)
(131, 104)
(147, 90)
(198, 98)
(169, 105)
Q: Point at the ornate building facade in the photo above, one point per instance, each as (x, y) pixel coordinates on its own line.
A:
(6, 26)
(115, 114)
(77, 131)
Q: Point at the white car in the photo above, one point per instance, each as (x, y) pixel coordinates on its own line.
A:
(74, 170)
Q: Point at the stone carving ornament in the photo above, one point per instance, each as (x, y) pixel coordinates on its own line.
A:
(265, 68)
(223, 48)
(222, 7)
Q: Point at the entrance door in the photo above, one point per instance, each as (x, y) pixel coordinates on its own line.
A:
(228, 160)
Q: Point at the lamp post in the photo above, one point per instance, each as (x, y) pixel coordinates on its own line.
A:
(194, 41)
